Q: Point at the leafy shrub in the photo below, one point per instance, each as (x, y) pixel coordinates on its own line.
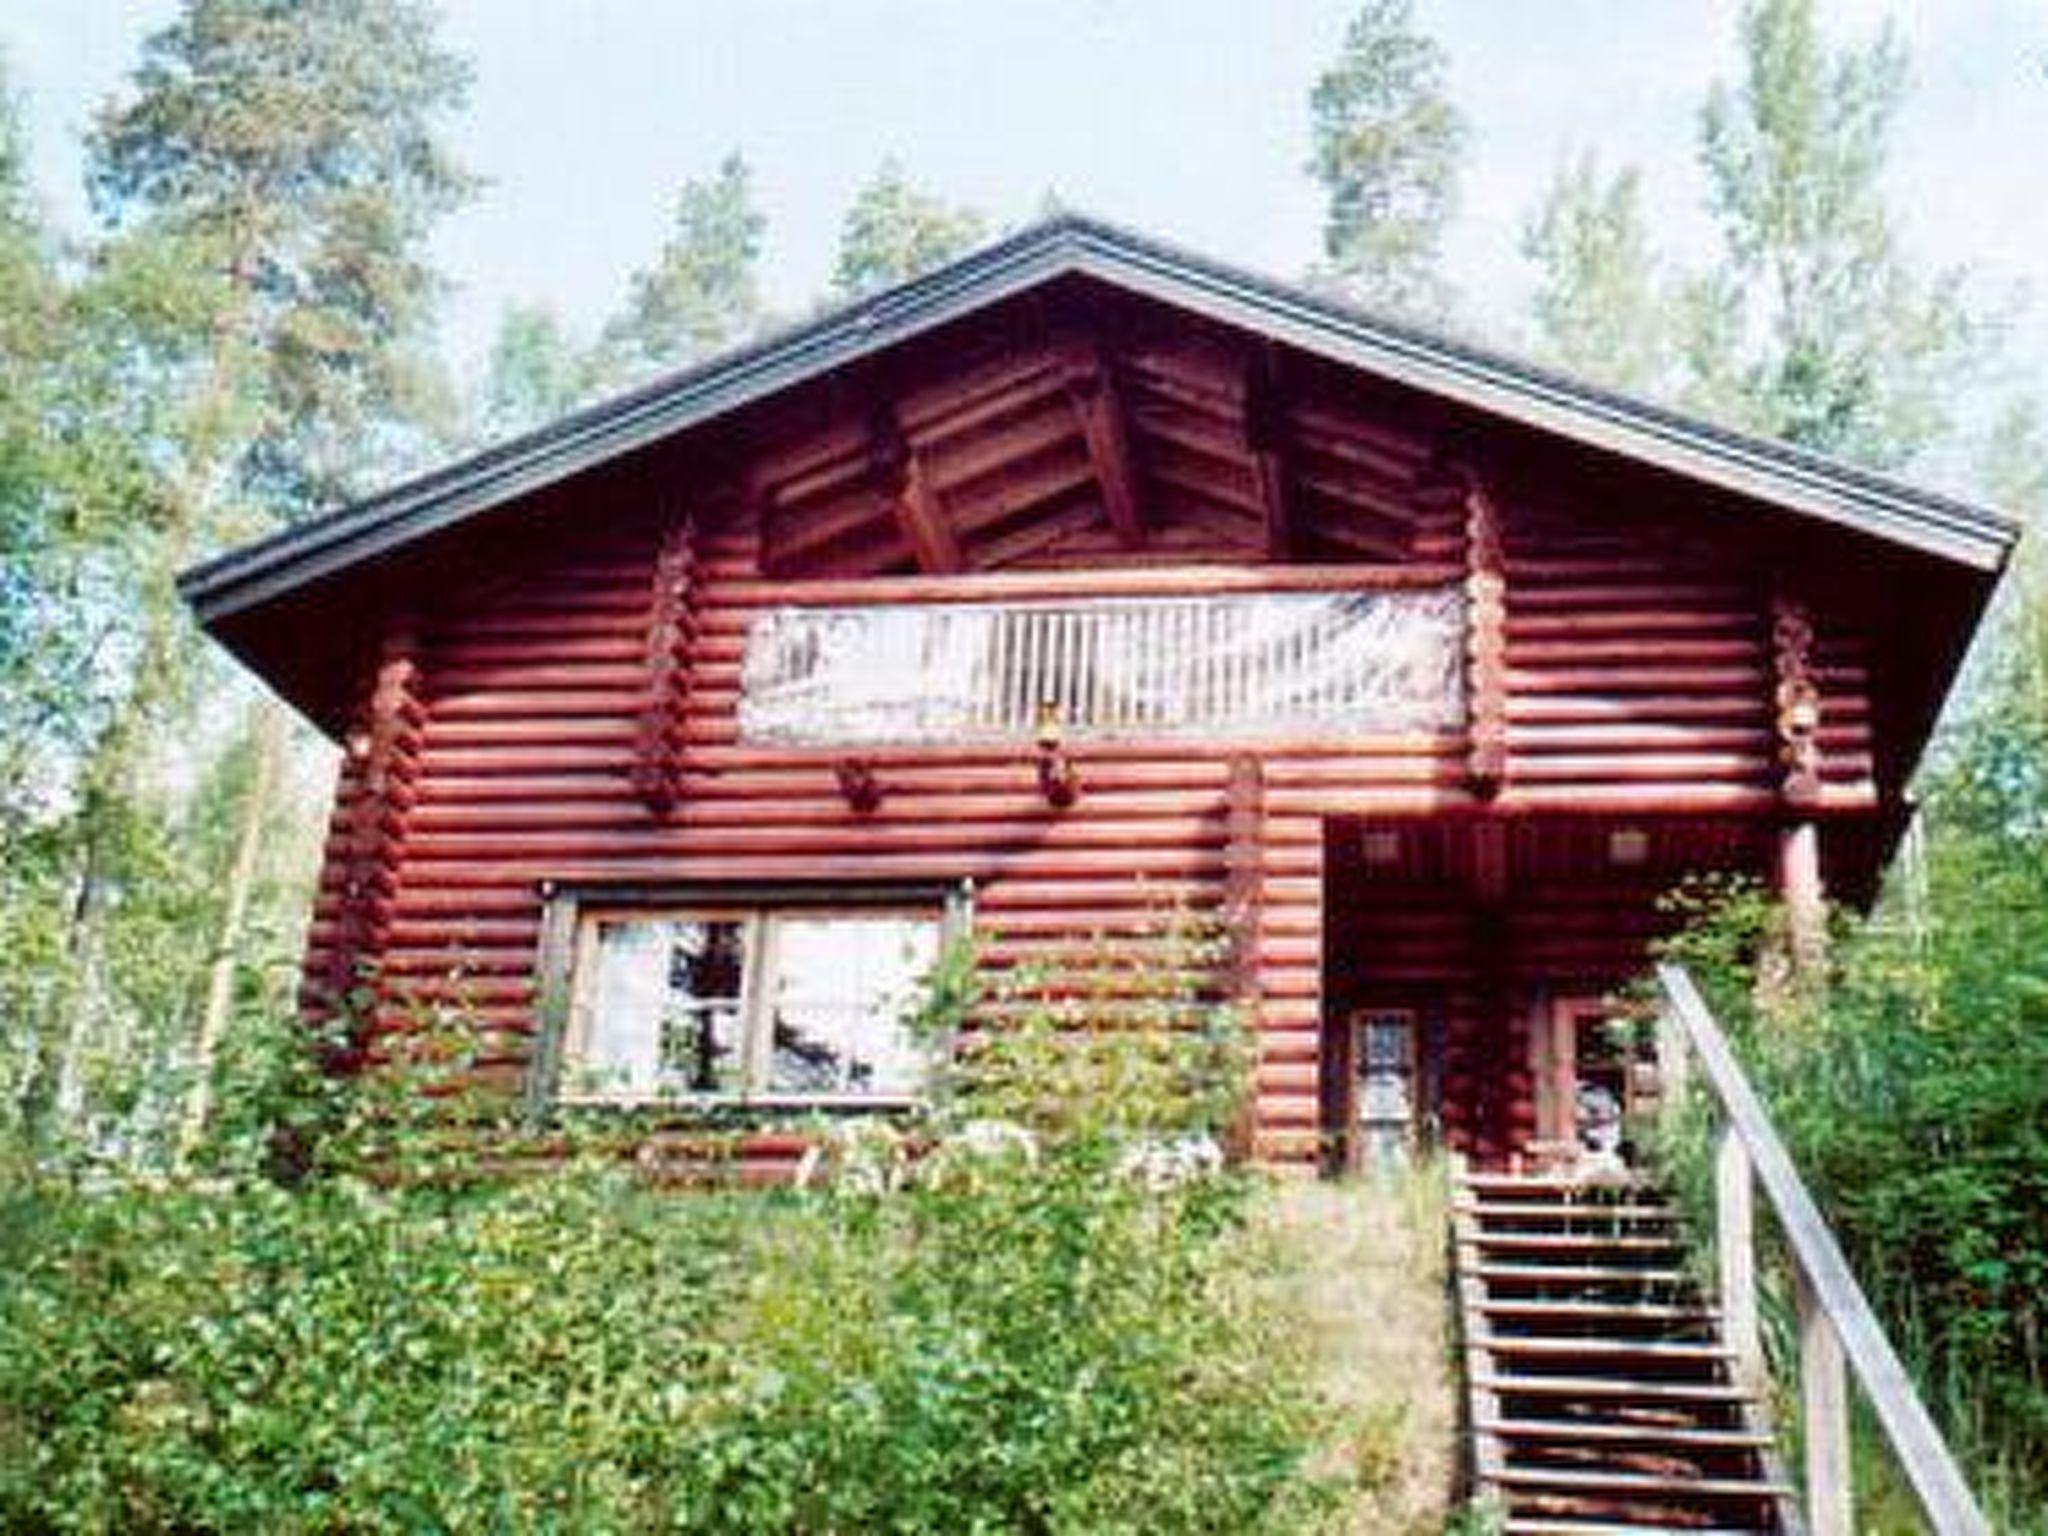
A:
(1047, 1348)
(1130, 1039)
(1912, 1090)
(1045, 1344)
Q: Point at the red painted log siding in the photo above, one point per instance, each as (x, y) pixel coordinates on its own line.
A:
(1637, 679)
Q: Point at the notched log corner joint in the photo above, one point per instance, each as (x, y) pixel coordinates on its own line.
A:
(1796, 701)
(858, 785)
(1485, 639)
(661, 749)
(380, 779)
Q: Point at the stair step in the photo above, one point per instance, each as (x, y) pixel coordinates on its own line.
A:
(1582, 1276)
(1608, 1386)
(1585, 1272)
(1628, 1311)
(1593, 1525)
(1487, 1210)
(1612, 1432)
(1649, 1349)
(1636, 1483)
(1549, 1242)
(1557, 1183)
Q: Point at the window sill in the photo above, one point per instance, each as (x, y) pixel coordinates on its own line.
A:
(741, 1107)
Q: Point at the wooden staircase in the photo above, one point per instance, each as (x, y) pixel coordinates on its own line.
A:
(1602, 1397)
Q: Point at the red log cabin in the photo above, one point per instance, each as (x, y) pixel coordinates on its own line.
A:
(1078, 577)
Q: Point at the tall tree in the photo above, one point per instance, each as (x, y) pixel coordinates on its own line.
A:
(268, 179)
(42, 652)
(1817, 329)
(31, 305)
(1812, 325)
(1387, 142)
(295, 149)
(893, 231)
(538, 370)
(703, 294)
(1600, 304)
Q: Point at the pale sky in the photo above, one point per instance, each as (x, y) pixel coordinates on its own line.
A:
(1183, 118)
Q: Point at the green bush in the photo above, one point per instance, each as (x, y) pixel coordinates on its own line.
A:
(1044, 1347)
(1017, 1335)
(1911, 1088)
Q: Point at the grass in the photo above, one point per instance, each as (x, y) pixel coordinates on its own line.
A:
(1365, 1273)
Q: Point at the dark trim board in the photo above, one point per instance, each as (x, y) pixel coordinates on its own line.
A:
(1801, 482)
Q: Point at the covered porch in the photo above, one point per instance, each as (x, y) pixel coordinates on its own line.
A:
(1472, 966)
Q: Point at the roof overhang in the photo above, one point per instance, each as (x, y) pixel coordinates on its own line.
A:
(1796, 481)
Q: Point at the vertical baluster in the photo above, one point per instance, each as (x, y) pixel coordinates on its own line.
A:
(1093, 622)
(1735, 1238)
(1187, 652)
(995, 651)
(1233, 664)
(1066, 648)
(1029, 687)
(1824, 1397)
(1674, 1061)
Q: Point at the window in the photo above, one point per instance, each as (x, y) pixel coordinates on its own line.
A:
(798, 1004)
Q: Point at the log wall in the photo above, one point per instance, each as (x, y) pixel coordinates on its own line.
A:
(578, 723)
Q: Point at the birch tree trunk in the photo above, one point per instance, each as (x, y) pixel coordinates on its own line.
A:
(251, 818)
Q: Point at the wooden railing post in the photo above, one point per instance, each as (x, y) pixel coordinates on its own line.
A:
(1674, 1062)
(1735, 1244)
(1837, 1329)
(1824, 1398)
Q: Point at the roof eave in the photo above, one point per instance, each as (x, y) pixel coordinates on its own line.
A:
(1837, 494)
(255, 573)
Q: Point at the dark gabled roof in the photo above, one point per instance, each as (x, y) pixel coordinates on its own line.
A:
(1801, 482)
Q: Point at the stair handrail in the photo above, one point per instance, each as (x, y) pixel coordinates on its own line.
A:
(1835, 1318)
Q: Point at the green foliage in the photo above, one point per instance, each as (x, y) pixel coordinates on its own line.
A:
(1387, 141)
(1913, 1094)
(1128, 1039)
(1853, 353)
(538, 372)
(894, 231)
(1050, 1344)
(246, 338)
(294, 149)
(703, 293)
(1601, 307)
(1812, 326)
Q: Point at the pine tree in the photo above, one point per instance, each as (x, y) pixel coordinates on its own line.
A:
(894, 231)
(268, 181)
(292, 147)
(537, 371)
(703, 294)
(1387, 142)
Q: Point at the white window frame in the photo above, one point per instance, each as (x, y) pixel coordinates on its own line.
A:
(568, 969)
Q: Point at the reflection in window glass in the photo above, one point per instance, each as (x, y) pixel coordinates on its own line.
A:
(835, 1005)
(667, 1007)
(792, 1004)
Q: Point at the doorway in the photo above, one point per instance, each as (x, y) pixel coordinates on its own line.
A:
(1392, 1081)
(1593, 1071)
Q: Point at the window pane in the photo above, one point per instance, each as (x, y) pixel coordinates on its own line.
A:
(837, 1000)
(666, 1007)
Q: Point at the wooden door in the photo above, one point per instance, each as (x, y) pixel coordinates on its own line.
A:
(1386, 1088)
(1587, 1067)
